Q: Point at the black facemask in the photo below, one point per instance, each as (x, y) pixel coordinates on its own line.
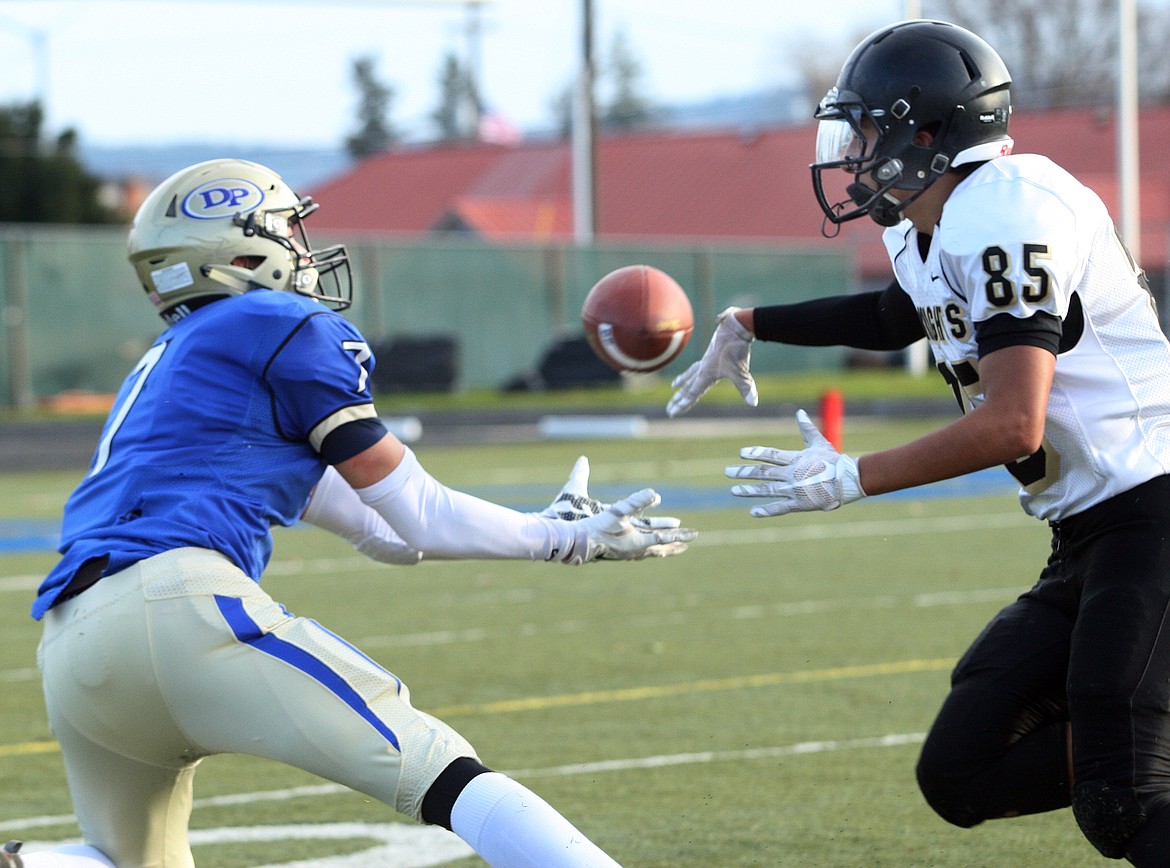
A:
(885, 210)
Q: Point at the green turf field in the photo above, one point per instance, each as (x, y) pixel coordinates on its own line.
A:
(757, 701)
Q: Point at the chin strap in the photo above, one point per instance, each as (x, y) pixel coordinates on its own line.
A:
(884, 209)
(235, 278)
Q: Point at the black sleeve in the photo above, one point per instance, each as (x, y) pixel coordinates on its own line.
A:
(880, 320)
(1004, 330)
(351, 438)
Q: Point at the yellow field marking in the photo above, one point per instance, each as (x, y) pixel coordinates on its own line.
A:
(28, 748)
(629, 694)
(633, 694)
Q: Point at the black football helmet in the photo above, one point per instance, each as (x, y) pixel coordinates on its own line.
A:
(915, 76)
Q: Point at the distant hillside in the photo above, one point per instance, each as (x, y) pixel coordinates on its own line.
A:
(779, 106)
(306, 168)
(302, 168)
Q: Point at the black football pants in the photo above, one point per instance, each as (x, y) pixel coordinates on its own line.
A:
(1089, 645)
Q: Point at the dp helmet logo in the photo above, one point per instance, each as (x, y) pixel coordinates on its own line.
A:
(224, 197)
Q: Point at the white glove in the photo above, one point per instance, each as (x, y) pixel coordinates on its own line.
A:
(612, 534)
(816, 477)
(334, 506)
(727, 358)
(573, 503)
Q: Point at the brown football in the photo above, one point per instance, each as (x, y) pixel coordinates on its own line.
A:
(637, 318)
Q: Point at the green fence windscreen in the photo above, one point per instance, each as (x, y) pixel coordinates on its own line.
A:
(74, 317)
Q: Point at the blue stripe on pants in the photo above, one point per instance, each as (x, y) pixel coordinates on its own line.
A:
(249, 632)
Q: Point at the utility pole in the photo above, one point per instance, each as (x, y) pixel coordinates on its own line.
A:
(1127, 128)
(584, 137)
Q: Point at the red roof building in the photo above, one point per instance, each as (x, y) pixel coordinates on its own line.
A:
(681, 186)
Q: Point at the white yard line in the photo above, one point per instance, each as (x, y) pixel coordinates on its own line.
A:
(404, 845)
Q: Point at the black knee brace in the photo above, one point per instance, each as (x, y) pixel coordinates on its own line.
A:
(440, 798)
(1108, 816)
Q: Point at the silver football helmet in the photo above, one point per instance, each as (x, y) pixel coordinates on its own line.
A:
(226, 227)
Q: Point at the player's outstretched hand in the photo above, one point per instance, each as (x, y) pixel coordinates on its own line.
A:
(573, 503)
(727, 357)
(816, 477)
(614, 535)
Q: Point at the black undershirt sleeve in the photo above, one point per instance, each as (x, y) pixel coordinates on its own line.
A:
(879, 320)
(351, 438)
(1004, 330)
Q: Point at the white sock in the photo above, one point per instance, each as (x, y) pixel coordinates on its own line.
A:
(67, 856)
(510, 826)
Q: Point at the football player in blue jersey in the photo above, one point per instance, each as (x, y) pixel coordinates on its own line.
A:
(1044, 327)
(159, 645)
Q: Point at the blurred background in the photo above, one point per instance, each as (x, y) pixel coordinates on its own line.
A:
(487, 161)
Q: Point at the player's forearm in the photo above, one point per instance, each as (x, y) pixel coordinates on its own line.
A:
(883, 320)
(446, 523)
(1007, 425)
(964, 446)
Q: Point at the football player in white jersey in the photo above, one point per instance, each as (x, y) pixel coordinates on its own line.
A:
(1046, 331)
(159, 645)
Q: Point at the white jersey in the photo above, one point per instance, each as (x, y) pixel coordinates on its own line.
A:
(1022, 236)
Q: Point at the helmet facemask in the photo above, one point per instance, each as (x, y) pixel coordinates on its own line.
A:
(323, 274)
(881, 149)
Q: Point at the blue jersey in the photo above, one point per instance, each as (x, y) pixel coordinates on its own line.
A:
(214, 435)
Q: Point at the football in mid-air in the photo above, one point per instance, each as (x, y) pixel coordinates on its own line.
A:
(637, 318)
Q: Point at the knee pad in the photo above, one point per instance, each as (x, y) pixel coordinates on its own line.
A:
(947, 795)
(1108, 816)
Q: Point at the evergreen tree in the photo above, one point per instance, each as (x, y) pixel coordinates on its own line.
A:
(627, 107)
(460, 106)
(375, 132)
(620, 103)
(44, 182)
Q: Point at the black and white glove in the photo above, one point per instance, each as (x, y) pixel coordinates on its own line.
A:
(816, 477)
(573, 503)
(618, 531)
(612, 534)
(334, 506)
(727, 357)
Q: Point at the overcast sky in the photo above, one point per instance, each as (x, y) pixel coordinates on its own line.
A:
(278, 71)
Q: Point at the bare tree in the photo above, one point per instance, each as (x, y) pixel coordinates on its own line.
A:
(1064, 54)
(1059, 53)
